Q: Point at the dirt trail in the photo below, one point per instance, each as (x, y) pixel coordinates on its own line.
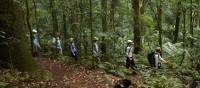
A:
(76, 76)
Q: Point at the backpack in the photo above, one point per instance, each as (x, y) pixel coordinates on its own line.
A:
(151, 58)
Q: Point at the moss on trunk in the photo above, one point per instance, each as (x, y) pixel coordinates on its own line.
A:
(13, 24)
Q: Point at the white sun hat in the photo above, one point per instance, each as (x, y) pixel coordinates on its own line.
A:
(130, 41)
(95, 38)
(34, 30)
(71, 39)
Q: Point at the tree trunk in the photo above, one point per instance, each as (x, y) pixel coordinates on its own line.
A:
(112, 25)
(54, 17)
(81, 24)
(136, 26)
(65, 31)
(12, 23)
(28, 24)
(159, 23)
(64, 25)
(178, 14)
(104, 24)
(191, 24)
(35, 14)
(184, 34)
(91, 21)
(112, 13)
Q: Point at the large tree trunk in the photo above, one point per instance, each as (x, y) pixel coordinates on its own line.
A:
(136, 26)
(184, 34)
(112, 13)
(28, 23)
(178, 14)
(90, 26)
(191, 24)
(17, 50)
(159, 22)
(104, 24)
(65, 31)
(54, 17)
(112, 25)
(35, 14)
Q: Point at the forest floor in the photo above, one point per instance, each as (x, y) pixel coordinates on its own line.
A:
(74, 76)
(61, 75)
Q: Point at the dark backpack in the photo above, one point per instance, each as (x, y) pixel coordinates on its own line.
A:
(151, 58)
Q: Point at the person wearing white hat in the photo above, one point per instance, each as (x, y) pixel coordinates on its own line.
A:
(129, 55)
(36, 44)
(72, 49)
(34, 31)
(57, 45)
(95, 50)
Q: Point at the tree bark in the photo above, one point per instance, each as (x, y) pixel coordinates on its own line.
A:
(54, 17)
(90, 25)
(35, 14)
(178, 14)
(112, 13)
(112, 25)
(159, 23)
(136, 26)
(104, 25)
(191, 24)
(28, 24)
(184, 34)
(12, 23)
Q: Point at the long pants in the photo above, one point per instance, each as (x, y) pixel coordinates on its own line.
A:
(96, 61)
(74, 56)
(130, 63)
(56, 53)
(36, 51)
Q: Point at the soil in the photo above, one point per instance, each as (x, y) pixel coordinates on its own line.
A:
(76, 76)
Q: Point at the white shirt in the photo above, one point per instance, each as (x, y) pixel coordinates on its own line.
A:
(158, 59)
(129, 51)
(96, 49)
(58, 42)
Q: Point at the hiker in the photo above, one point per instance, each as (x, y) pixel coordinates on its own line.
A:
(129, 55)
(96, 51)
(72, 49)
(36, 44)
(57, 48)
(158, 58)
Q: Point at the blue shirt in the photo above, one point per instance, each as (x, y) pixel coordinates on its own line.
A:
(35, 40)
(72, 48)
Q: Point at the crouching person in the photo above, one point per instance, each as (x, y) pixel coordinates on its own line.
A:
(158, 58)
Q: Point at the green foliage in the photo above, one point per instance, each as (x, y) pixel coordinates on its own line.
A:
(161, 79)
(41, 75)
(9, 78)
(148, 21)
(120, 71)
